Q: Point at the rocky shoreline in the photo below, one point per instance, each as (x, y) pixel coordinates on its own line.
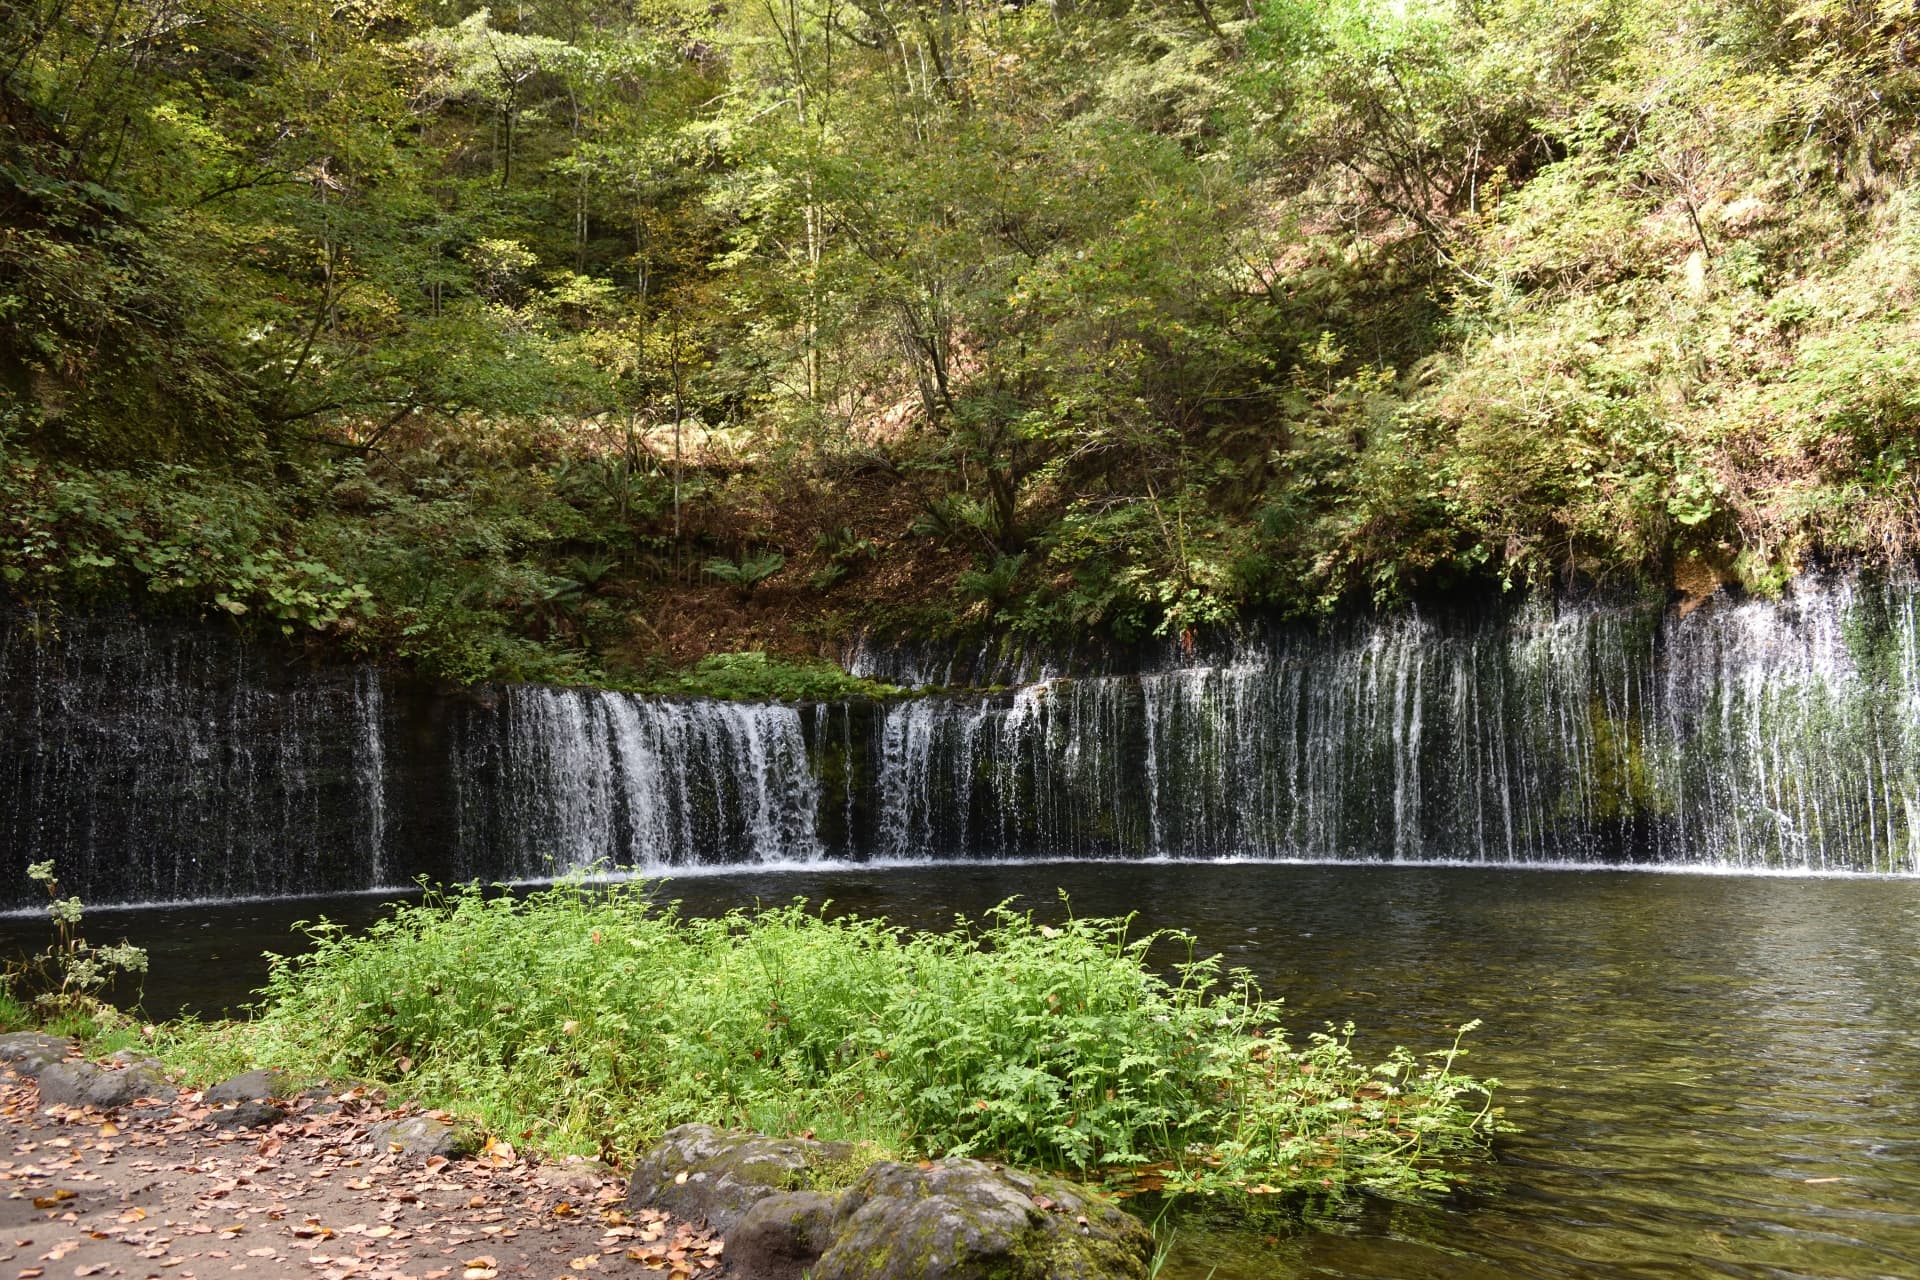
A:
(114, 1170)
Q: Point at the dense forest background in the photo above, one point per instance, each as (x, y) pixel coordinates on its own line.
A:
(582, 339)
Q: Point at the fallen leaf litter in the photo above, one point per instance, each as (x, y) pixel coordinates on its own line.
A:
(156, 1192)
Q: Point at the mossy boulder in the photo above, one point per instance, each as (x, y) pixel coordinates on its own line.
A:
(85, 1084)
(783, 1235)
(965, 1220)
(715, 1175)
(252, 1086)
(775, 1201)
(422, 1138)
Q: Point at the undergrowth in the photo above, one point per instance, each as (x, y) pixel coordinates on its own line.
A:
(755, 676)
(594, 1019)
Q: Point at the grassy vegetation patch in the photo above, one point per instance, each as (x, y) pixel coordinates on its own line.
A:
(757, 677)
(593, 1019)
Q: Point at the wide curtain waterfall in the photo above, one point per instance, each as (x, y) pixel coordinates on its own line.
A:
(159, 762)
(1767, 734)
(155, 761)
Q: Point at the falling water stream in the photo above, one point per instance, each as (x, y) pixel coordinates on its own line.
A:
(1713, 1057)
(1758, 734)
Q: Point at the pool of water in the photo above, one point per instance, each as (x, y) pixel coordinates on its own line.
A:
(1715, 1075)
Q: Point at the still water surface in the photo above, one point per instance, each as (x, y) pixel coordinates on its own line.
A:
(1716, 1075)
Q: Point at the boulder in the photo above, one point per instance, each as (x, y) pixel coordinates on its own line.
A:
(252, 1113)
(965, 1220)
(83, 1084)
(423, 1138)
(715, 1175)
(31, 1052)
(938, 1220)
(65, 1084)
(253, 1086)
(782, 1235)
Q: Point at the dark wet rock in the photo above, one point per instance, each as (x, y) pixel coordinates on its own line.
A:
(252, 1113)
(83, 1084)
(782, 1235)
(965, 1220)
(423, 1138)
(715, 1175)
(31, 1052)
(253, 1086)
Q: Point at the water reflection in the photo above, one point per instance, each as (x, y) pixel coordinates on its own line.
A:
(1716, 1074)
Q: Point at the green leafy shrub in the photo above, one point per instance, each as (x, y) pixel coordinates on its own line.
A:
(456, 573)
(844, 551)
(597, 1019)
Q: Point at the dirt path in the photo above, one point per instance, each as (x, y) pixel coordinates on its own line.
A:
(159, 1191)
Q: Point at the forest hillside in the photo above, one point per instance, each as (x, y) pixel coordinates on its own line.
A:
(585, 339)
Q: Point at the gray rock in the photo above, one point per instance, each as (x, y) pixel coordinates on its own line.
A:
(782, 1235)
(142, 1081)
(31, 1052)
(251, 1113)
(715, 1176)
(964, 1220)
(65, 1084)
(82, 1084)
(420, 1137)
(944, 1220)
(254, 1086)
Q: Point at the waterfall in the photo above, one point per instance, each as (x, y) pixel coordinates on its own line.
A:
(558, 780)
(370, 724)
(906, 792)
(158, 761)
(1765, 734)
